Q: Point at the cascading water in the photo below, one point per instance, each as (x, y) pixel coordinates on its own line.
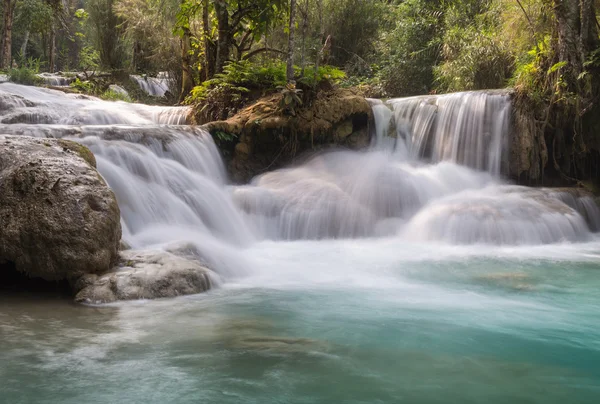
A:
(171, 176)
(56, 80)
(33, 105)
(465, 128)
(396, 273)
(154, 86)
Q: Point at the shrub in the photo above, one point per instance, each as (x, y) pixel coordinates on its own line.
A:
(27, 74)
(85, 86)
(24, 75)
(475, 56)
(111, 95)
(243, 81)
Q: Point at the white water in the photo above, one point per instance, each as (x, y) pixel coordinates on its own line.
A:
(172, 188)
(56, 80)
(154, 86)
(466, 128)
(34, 105)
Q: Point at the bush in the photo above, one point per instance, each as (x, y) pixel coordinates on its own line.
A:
(476, 56)
(411, 49)
(85, 87)
(244, 81)
(111, 95)
(24, 75)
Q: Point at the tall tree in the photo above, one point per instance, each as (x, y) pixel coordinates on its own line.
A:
(187, 80)
(239, 24)
(106, 32)
(7, 26)
(290, 53)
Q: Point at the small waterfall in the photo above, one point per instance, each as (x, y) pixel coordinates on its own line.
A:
(119, 90)
(154, 86)
(34, 105)
(56, 80)
(467, 128)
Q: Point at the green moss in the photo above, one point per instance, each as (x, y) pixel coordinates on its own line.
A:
(80, 149)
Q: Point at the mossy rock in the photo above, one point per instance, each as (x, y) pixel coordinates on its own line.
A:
(268, 138)
(80, 150)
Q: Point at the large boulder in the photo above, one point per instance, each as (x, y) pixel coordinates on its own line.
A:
(262, 137)
(144, 275)
(58, 218)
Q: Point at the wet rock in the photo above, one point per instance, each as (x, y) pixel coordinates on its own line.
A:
(144, 275)
(261, 137)
(58, 218)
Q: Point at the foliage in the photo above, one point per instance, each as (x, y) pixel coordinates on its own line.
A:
(474, 52)
(85, 87)
(412, 48)
(148, 26)
(104, 31)
(111, 95)
(290, 99)
(26, 74)
(528, 76)
(243, 77)
(354, 26)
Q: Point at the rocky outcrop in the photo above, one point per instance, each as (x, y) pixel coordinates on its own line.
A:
(58, 218)
(550, 147)
(262, 137)
(144, 275)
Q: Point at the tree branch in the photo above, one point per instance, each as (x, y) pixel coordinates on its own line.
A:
(528, 19)
(236, 18)
(260, 50)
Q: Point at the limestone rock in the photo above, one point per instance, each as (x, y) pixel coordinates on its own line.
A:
(266, 138)
(144, 275)
(58, 218)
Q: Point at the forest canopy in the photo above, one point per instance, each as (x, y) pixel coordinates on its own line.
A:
(386, 47)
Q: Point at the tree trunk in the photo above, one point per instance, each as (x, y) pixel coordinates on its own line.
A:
(6, 51)
(23, 53)
(290, 55)
(573, 124)
(304, 31)
(577, 38)
(187, 78)
(209, 54)
(589, 30)
(321, 35)
(224, 40)
(567, 14)
(52, 52)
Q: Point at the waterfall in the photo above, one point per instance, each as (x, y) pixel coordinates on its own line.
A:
(34, 105)
(154, 86)
(56, 80)
(468, 128)
(435, 179)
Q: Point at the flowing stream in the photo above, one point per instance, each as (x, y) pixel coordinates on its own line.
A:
(410, 272)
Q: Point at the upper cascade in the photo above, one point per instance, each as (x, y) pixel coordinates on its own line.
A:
(36, 105)
(154, 86)
(467, 128)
